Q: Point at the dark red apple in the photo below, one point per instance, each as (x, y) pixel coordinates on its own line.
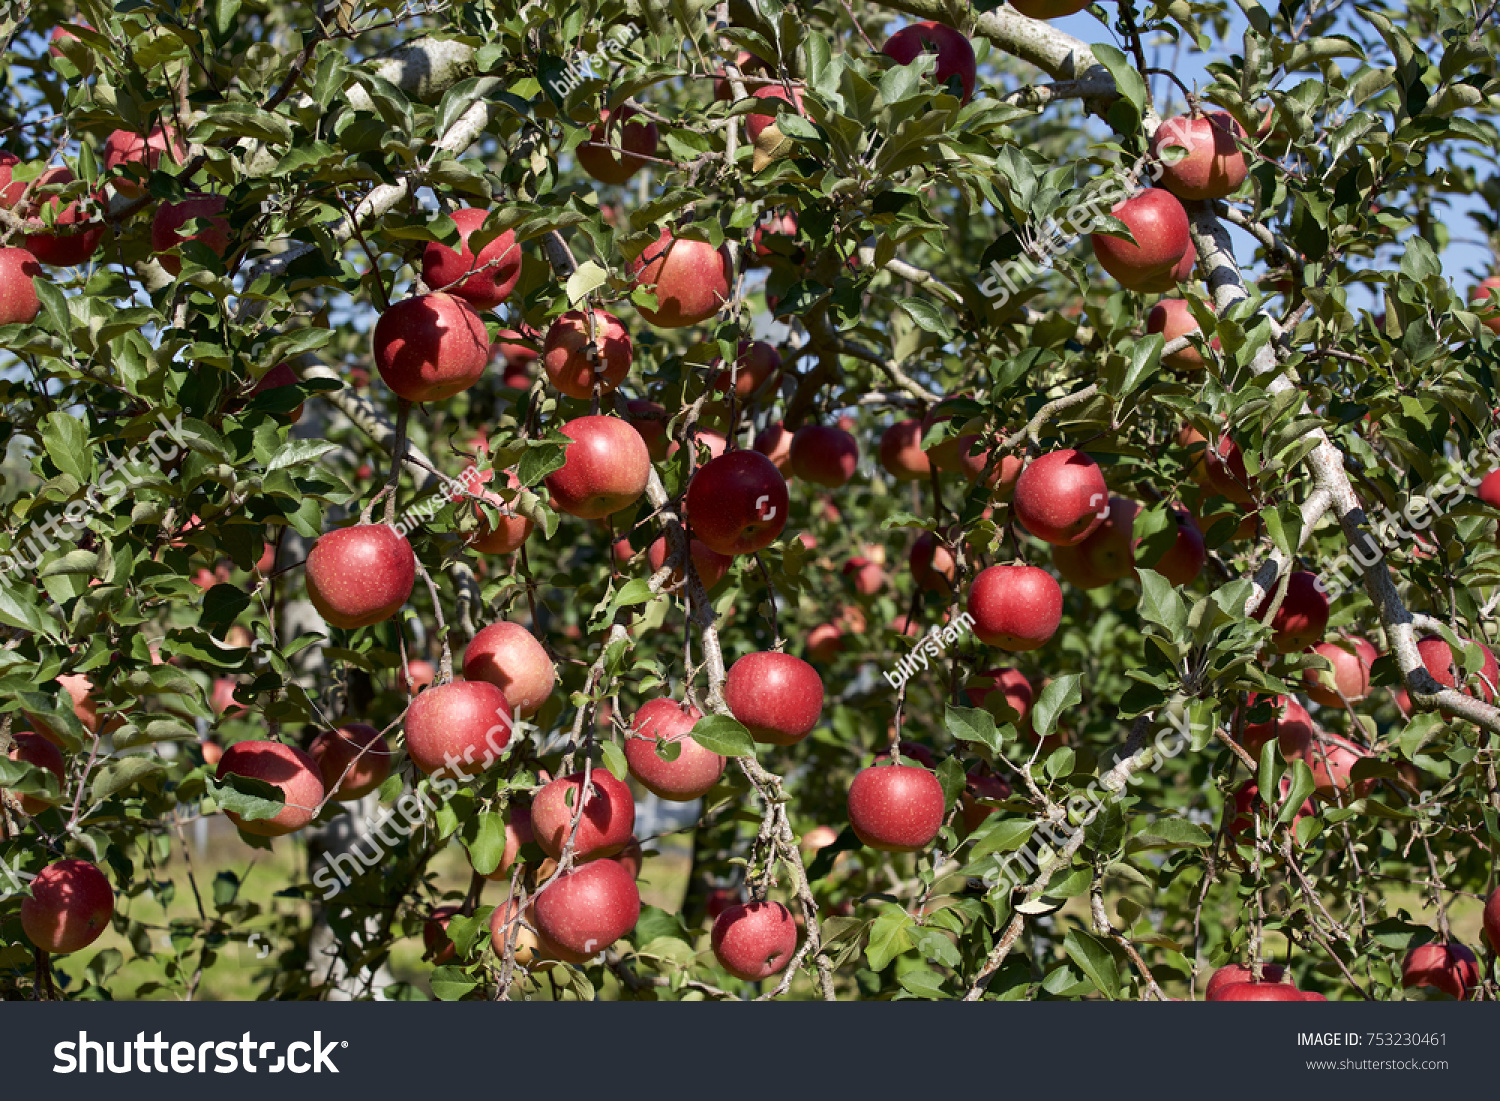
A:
(1182, 564)
(360, 576)
(1061, 497)
(737, 504)
(1257, 992)
(285, 767)
(125, 147)
(1159, 225)
(691, 280)
(753, 941)
(1009, 684)
(1302, 618)
(977, 786)
(1444, 667)
(431, 347)
(775, 443)
(1451, 968)
(1015, 607)
(661, 723)
(868, 576)
(901, 452)
(1235, 973)
(617, 146)
(604, 469)
(650, 420)
(933, 566)
(582, 913)
(58, 249)
(778, 697)
(896, 808)
(508, 656)
(68, 907)
(955, 56)
(757, 124)
(484, 281)
(1290, 725)
(439, 948)
(824, 455)
(608, 815)
(513, 529)
(1331, 760)
(1492, 920)
(1244, 802)
(710, 564)
(353, 761)
(1172, 318)
(274, 379)
(172, 217)
(755, 364)
(458, 728)
(576, 359)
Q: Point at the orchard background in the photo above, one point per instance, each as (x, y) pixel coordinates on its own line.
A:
(1294, 446)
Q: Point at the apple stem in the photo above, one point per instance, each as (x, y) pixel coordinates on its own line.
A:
(398, 457)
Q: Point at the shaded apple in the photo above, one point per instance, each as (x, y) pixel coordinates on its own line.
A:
(430, 347)
(353, 761)
(68, 906)
(576, 359)
(753, 941)
(285, 767)
(359, 576)
(778, 697)
(458, 728)
(484, 281)
(1015, 607)
(737, 503)
(955, 56)
(824, 455)
(618, 145)
(604, 469)
(660, 724)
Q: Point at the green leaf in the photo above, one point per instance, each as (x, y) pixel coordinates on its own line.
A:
(55, 305)
(1171, 833)
(488, 846)
(66, 440)
(1303, 785)
(890, 936)
(1095, 960)
(248, 797)
(1161, 603)
(1145, 361)
(588, 278)
(449, 984)
(723, 735)
(119, 775)
(1271, 768)
(1130, 83)
(1063, 692)
(923, 983)
(927, 316)
(972, 724)
(614, 760)
(951, 775)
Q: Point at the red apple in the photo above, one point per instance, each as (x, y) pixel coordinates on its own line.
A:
(172, 217)
(901, 452)
(617, 146)
(513, 530)
(824, 455)
(58, 249)
(81, 691)
(431, 347)
(1182, 564)
(747, 63)
(783, 226)
(824, 642)
(353, 761)
(419, 674)
(737, 503)
(124, 147)
(607, 822)
(778, 697)
(868, 576)
(69, 906)
(775, 443)
(933, 566)
(1351, 659)
(657, 725)
(360, 576)
(955, 56)
(1061, 497)
(896, 808)
(650, 420)
(575, 359)
(1015, 607)
(282, 766)
(508, 656)
(458, 728)
(19, 303)
(605, 468)
(1218, 465)
(977, 786)
(754, 941)
(1303, 616)
(1451, 968)
(1257, 992)
(756, 124)
(1331, 760)
(484, 281)
(1109, 550)
(1489, 488)
(1159, 225)
(755, 363)
(1172, 318)
(1010, 685)
(274, 379)
(1484, 298)
(524, 942)
(1200, 157)
(518, 832)
(1446, 669)
(439, 948)
(1244, 801)
(691, 280)
(710, 564)
(38, 751)
(582, 913)
(1234, 973)
(1290, 724)
(1492, 920)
